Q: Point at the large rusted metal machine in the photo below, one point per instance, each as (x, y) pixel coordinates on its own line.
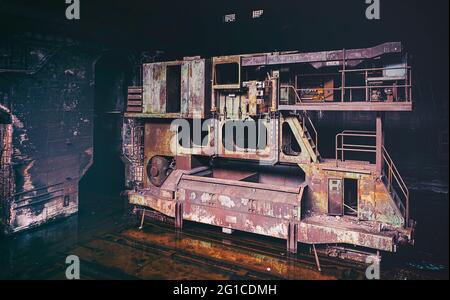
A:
(251, 159)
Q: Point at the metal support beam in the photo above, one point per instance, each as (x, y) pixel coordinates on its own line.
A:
(292, 238)
(275, 92)
(379, 143)
(179, 215)
(142, 219)
(316, 256)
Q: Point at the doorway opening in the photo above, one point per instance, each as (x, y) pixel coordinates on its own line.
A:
(106, 177)
(173, 81)
(335, 197)
(350, 197)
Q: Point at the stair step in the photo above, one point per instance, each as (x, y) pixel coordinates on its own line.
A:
(134, 90)
(134, 97)
(134, 109)
(134, 103)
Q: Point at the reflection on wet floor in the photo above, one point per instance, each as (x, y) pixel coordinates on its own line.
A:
(110, 246)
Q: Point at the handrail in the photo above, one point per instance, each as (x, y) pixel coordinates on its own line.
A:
(316, 140)
(395, 174)
(356, 87)
(404, 84)
(297, 96)
(344, 147)
(359, 131)
(354, 147)
(377, 69)
(351, 208)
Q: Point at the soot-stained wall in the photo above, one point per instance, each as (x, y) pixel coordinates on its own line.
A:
(50, 99)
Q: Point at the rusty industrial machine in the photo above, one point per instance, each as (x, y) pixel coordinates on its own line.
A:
(251, 160)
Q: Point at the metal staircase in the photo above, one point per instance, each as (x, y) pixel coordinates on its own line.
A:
(396, 186)
(302, 127)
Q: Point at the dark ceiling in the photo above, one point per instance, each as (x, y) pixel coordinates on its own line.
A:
(184, 28)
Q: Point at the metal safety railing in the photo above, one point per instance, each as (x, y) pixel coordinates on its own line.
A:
(342, 147)
(395, 183)
(392, 178)
(390, 84)
(288, 89)
(307, 123)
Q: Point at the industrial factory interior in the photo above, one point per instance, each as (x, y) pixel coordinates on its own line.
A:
(237, 141)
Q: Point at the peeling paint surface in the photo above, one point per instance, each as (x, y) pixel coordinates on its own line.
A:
(52, 134)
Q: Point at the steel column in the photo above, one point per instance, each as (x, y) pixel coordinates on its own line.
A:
(379, 143)
(292, 238)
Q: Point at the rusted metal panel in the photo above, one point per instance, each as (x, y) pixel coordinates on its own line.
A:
(259, 60)
(267, 155)
(134, 103)
(234, 174)
(374, 202)
(34, 208)
(157, 141)
(252, 100)
(354, 54)
(269, 203)
(154, 88)
(194, 89)
(194, 85)
(335, 197)
(248, 190)
(251, 207)
(326, 232)
(186, 73)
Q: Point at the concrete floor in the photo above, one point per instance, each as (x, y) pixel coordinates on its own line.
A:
(110, 246)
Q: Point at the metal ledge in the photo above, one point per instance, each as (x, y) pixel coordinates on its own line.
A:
(350, 106)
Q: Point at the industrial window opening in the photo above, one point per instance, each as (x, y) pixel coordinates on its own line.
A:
(227, 73)
(230, 18)
(173, 81)
(351, 197)
(244, 137)
(257, 13)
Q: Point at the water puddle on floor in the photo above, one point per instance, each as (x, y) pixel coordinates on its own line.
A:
(110, 246)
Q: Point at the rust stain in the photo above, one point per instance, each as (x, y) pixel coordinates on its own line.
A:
(272, 202)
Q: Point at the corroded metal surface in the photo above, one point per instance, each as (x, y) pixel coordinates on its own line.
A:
(248, 100)
(194, 87)
(327, 56)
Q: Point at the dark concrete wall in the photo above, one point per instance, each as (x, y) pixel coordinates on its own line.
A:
(51, 102)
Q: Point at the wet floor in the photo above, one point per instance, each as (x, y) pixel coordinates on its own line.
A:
(110, 246)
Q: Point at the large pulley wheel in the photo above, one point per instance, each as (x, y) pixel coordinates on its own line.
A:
(158, 169)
